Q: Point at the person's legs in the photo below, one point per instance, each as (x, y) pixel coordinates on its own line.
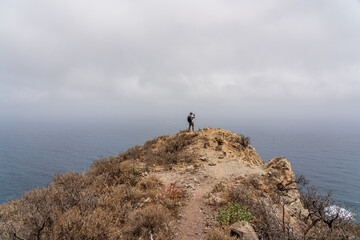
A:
(192, 124)
(189, 126)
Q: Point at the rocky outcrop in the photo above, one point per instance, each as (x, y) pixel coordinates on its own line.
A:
(278, 174)
(272, 183)
(243, 230)
(226, 145)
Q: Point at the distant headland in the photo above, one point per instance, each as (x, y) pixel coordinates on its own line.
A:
(208, 184)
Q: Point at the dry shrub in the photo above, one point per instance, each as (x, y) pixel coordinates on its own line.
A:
(149, 182)
(124, 193)
(7, 213)
(240, 141)
(177, 144)
(77, 224)
(131, 153)
(119, 202)
(163, 150)
(28, 217)
(245, 141)
(270, 223)
(239, 194)
(161, 157)
(350, 230)
(331, 226)
(265, 212)
(151, 220)
(98, 162)
(301, 181)
(40, 211)
(113, 173)
(67, 189)
(219, 187)
(94, 205)
(150, 144)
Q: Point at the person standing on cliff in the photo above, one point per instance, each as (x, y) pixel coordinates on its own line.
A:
(190, 119)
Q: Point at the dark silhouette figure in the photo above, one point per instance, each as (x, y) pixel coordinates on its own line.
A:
(190, 119)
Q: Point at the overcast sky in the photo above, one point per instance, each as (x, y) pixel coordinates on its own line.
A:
(253, 59)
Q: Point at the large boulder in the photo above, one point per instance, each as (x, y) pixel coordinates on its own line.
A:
(243, 230)
(282, 167)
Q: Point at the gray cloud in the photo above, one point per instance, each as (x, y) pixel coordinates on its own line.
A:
(94, 56)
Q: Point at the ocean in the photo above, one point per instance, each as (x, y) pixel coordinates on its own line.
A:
(31, 153)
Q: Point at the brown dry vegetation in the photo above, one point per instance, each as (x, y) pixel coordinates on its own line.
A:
(270, 219)
(115, 199)
(123, 197)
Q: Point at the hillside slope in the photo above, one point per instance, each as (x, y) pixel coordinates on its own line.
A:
(192, 185)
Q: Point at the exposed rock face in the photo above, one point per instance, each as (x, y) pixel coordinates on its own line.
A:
(281, 168)
(278, 173)
(225, 145)
(243, 230)
(273, 183)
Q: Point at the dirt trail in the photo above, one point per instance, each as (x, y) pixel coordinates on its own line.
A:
(196, 214)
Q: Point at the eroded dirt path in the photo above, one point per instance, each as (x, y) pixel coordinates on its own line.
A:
(196, 214)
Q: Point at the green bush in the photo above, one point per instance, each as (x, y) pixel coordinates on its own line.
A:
(234, 212)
